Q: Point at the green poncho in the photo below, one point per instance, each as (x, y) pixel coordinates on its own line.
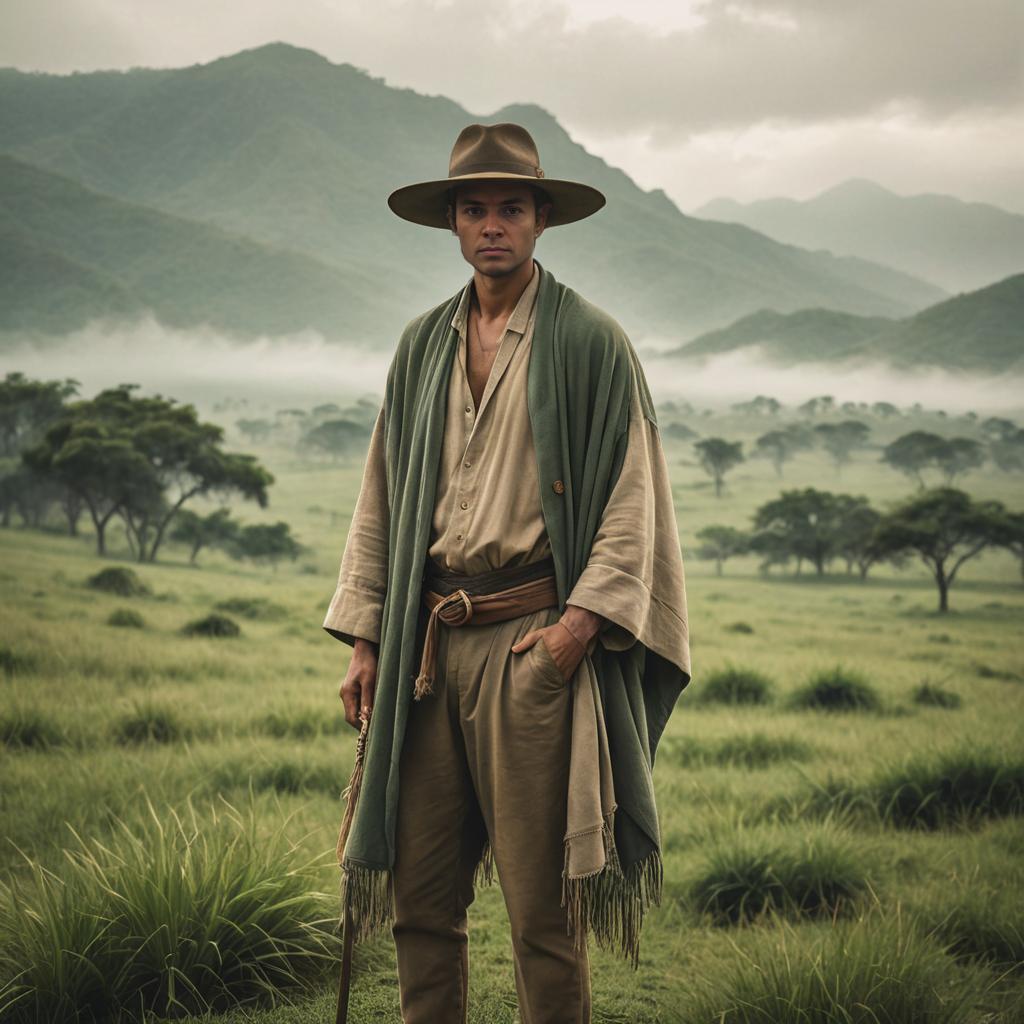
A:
(581, 374)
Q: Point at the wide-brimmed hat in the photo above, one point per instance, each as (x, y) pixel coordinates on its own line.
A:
(494, 152)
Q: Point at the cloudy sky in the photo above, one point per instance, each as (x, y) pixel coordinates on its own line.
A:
(699, 97)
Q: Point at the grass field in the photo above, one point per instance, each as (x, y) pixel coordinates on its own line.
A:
(883, 847)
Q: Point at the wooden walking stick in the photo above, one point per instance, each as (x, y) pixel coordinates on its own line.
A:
(351, 794)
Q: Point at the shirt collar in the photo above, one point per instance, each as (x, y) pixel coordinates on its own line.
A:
(518, 318)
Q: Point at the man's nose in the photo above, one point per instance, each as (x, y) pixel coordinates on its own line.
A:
(492, 225)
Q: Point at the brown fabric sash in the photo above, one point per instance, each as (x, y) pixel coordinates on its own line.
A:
(457, 598)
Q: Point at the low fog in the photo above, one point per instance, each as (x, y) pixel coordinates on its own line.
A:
(205, 368)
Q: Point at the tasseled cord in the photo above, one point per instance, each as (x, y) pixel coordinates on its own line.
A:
(351, 793)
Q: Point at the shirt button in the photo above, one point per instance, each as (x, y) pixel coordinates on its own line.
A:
(464, 504)
(458, 536)
(467, 464)
(469, 408)
(558, 487)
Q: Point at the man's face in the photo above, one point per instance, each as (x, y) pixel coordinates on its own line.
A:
(497, 224)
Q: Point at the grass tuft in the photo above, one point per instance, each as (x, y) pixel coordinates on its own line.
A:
(177, 916)
(836, 689)
(871, 970)
(818, 873)
(253, 608)
(960, 786)
(301, 724)
(214, 625)
(149, 723)
(126, 618)
(737, 685)
(934, 696)
(29, 729)
(119, 580)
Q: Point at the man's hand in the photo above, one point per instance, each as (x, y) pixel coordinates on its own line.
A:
(357, 688)
(567, 640)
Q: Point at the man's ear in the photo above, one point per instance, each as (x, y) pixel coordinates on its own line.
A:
(542, 218)
(450, 215)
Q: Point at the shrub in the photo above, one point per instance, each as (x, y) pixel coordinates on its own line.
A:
(759, 750)
(252, 608)
(836, 689)
(118, 580)
(174, 917)
(964, 785)
(870, 970)
(747, 877)
(147, 723)
(126, 618)
(931, 695)
(737, 685)
(27, 728)
(212, 625)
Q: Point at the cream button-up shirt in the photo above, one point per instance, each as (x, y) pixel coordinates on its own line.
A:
(488, 513)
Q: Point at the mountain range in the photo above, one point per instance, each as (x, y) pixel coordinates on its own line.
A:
(286, 159)
(981, 330)
(957, 245)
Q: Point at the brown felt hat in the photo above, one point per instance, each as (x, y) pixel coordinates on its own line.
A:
(494, 152)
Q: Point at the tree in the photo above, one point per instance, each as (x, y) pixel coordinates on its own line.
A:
(803, 523)
(262, 543)
(781, 445)
(717, 456)
(217, 529)
(339, 438)
(913, 453)
(27, 407)
(720, 543)
(256, 431)
(856, 533)
(841, 439)
(142, 459)
(958, 455)
(945, 528)
(1011, 536)
(1007, 451)
(885, 409)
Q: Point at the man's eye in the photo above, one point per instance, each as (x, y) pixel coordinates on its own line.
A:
(513, 209)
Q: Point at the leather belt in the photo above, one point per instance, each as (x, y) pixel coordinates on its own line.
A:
(457, 599)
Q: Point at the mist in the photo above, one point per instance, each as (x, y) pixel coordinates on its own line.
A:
(207, 368)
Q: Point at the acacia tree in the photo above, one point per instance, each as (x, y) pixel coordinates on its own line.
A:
(265, 543)
(957, 456)
(720, 543)
(717, 456)
(945, 528)
(856, 533)
(781, 445)
(217, 529)
(142, 459)
(805, 523)
(913, 453)
(27, 407)
(841, 439)
(340, 438)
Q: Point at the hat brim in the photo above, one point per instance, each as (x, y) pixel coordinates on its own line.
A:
(425, 202)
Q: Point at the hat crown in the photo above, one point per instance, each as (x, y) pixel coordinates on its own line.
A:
(495, 148)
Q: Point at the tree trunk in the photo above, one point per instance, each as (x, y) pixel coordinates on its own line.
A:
(718, 567)
(940, 578)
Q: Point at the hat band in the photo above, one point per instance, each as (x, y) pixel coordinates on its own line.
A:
(507, 168)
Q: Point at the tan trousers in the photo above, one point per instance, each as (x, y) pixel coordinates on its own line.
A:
(487, 754)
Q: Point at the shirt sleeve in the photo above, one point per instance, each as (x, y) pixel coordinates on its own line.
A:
(358, 602)
(634, 573)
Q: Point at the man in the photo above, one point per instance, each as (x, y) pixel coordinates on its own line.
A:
(512, 586)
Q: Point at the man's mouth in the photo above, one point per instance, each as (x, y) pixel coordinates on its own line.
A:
(492, 249)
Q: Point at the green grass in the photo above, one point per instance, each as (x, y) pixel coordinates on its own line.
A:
(100, 722)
